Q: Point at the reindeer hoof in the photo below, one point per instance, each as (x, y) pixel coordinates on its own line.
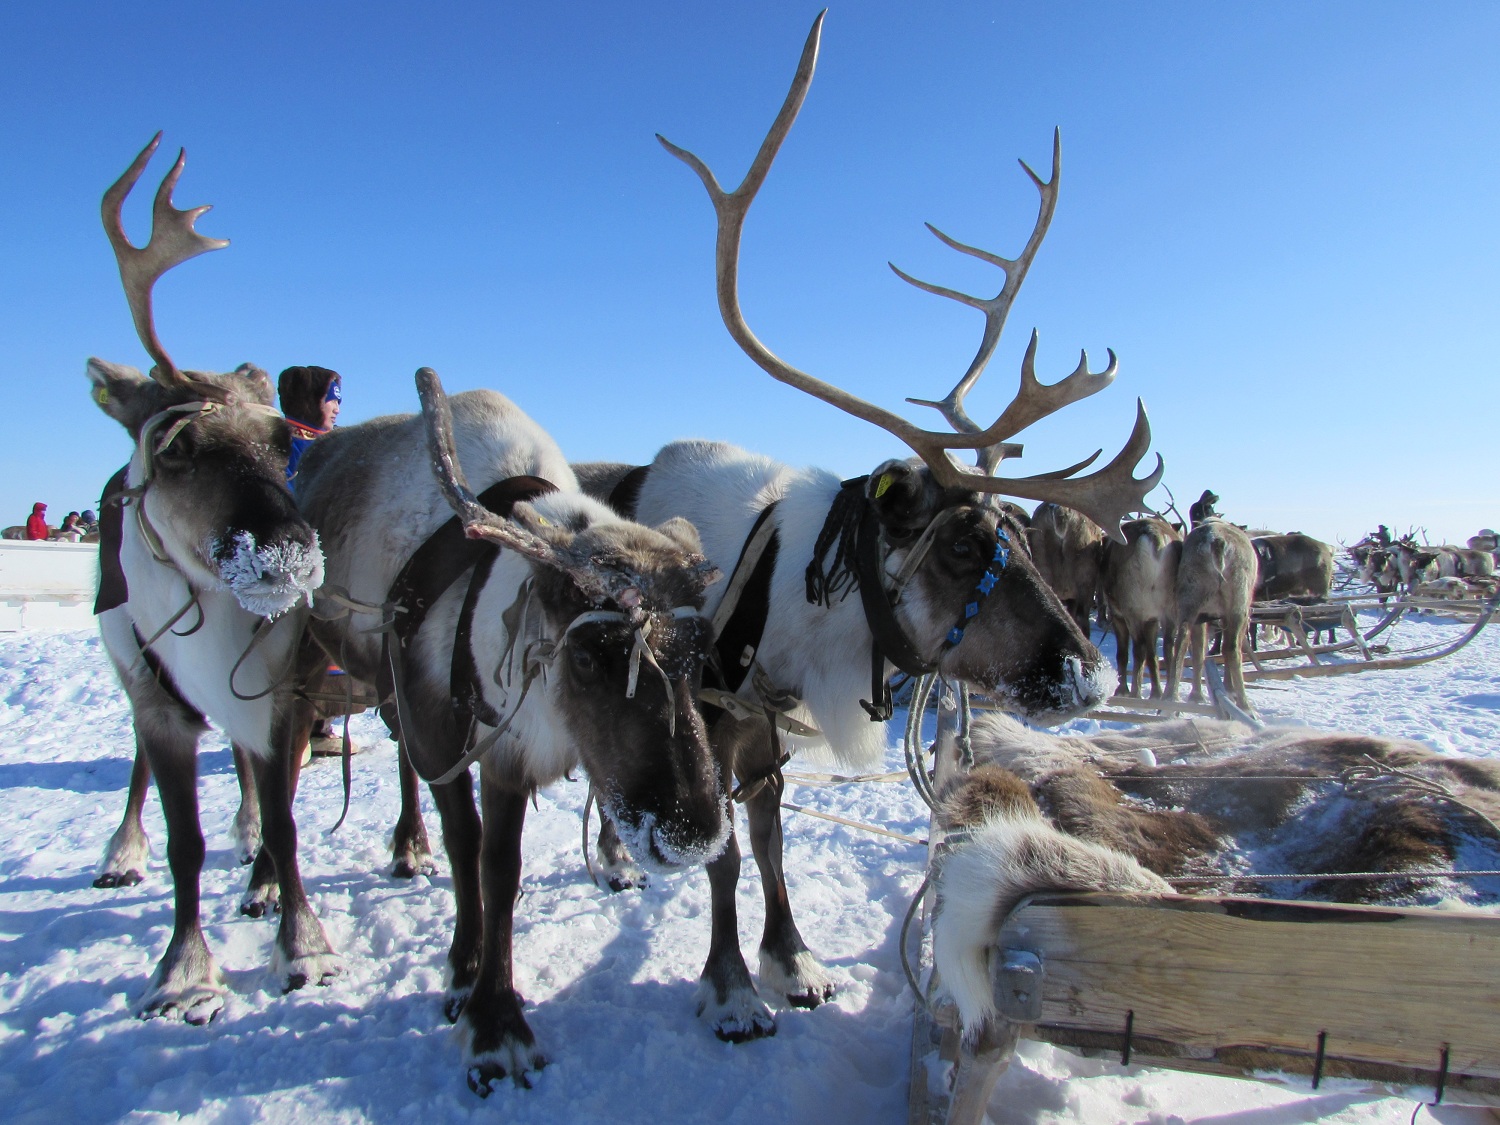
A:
(741, 1032)
(811, 997)
(198, 1005)
(321, 969)
(118, 879)
(626, 880)
(739, 1018)
(485, 1074)
(453, 1004)
(806, 985)
(409, 867)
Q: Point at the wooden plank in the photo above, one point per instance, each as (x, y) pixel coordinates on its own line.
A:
(1250, 984)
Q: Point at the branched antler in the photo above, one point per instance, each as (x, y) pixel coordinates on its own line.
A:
(598, 580)
(173, 241)
(1105, 496)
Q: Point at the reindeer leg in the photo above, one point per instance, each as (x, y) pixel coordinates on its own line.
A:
(186, 983)
(621, 871)
(411, 854)
(726, 996)
(1199, 633)
(124, 862)
(1122, 656)
(247, 819)
(786, 964)
(262, 895)
(1147, 645)
(1234, 667)
(498, 1041)
(462, 838)
(302, 952)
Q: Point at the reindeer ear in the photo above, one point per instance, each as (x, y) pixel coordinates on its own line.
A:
(256, 385)
(124, 393)
(681, 532)
(900, 494)
(557, 536)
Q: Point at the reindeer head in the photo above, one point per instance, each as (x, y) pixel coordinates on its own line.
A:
(610, 619)
(208, 479)
(1009, 633)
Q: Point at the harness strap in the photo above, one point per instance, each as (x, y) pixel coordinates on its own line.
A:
(739, 623)
(432, 569)
(888, 641)
(113, 590)
(160, 673)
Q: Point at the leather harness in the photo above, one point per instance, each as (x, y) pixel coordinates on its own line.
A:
(432, 569)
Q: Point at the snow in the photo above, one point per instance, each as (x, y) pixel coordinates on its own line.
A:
(610, 979)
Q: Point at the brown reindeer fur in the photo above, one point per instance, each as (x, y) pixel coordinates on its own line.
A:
(1101, 788)
(1138, 581)
(1067, 548)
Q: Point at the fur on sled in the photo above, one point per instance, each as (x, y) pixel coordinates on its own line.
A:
(1123, 811)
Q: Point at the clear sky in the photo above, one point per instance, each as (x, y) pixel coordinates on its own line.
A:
(1284, 217)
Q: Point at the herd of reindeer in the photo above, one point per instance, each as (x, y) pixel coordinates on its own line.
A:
(675, 630)
(1169, 582)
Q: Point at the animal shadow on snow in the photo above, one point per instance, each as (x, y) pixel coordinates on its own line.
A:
(93, 775)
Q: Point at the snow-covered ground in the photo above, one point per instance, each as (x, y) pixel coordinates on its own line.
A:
(610, 978)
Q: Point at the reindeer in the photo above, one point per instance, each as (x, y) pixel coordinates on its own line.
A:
(215, 561)
(560, 636)
(1068, 548)
(1294, 565)
(1139, 585)
(1215, 580)
(942, 573)
(1198, 799)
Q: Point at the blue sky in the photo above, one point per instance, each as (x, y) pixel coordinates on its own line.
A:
(1283, 217)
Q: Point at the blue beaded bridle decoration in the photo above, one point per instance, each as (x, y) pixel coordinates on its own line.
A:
(987, 582)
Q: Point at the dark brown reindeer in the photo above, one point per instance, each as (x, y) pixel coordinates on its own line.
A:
(1292, 565)
(942, 573)
(560, 636)
(211, 551)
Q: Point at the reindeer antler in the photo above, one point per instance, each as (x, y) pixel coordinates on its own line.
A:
(1105, 496)
(596, 578)
(173, 241)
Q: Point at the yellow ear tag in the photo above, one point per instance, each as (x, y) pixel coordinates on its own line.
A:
(544, 521)
(101, 395)
(882, 485)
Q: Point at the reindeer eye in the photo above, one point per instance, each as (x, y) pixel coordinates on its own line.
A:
(961, 549)
(583, 660)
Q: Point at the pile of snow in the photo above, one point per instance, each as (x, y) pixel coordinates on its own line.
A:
(610, 978)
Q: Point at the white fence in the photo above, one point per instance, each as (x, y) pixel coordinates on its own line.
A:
(47, 585)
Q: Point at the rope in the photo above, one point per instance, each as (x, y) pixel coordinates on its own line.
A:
(912, 744)
(853, 824)
(1336, 875)
(911, 913)
(588, 862)
(827, 780)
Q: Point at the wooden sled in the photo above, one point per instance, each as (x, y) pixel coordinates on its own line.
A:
(1404, 1000)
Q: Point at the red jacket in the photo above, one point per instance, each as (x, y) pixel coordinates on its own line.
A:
(36, 523)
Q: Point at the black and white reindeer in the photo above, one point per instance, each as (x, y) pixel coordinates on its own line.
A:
(940, 569)
(563, 635)
(212, 550)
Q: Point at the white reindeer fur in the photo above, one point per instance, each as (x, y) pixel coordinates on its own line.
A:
(402, 505)
(1009, 856)
(200, 664)
(821, 655)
